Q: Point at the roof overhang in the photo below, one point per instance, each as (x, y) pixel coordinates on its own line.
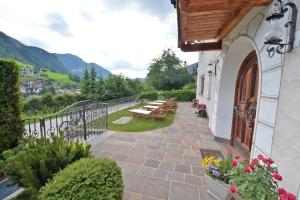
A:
(202, 24)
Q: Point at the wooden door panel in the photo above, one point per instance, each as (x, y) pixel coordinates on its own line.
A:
(245, 102)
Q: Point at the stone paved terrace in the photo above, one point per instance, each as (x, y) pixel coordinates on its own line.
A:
(164, 163)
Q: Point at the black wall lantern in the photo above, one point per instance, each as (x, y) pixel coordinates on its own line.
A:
(212, 68)
(273, 37)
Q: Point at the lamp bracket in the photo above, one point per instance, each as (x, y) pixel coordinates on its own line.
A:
(291, 25)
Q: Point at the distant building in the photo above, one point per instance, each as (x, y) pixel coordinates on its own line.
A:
(27, 72)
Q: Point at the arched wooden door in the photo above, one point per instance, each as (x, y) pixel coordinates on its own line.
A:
(246, 92)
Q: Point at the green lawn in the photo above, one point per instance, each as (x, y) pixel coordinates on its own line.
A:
(62, 78)
(137, 124)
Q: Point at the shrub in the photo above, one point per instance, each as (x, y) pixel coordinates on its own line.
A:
(190, 86)
(32, 163)
(181, 95)
(149, 96)
(90, 178)
(11, 127)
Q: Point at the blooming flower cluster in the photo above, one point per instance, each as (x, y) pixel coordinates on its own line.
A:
(284, 195)
(250, 173)
(217, 168)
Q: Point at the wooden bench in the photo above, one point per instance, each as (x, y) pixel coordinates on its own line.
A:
(152, 114)
(149, 107)
(155, 103)
(137, 112)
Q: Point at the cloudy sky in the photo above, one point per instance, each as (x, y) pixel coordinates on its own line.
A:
(120, 35)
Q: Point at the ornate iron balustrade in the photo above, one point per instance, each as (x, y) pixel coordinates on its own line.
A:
(78, 121)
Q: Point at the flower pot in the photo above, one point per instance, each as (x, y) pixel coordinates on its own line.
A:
(217, 189)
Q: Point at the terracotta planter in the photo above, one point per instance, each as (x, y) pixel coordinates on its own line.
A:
(217, 189)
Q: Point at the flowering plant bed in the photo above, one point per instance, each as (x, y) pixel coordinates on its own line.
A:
(257, 179)
(216, 176)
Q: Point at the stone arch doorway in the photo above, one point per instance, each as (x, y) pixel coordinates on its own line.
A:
(235, 55)
(245, 103)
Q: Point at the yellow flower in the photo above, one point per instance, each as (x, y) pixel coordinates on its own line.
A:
(210, 159)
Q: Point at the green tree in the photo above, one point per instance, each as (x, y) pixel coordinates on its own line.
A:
(93, 89)
(85, 83)
(167, 72)
(100, 88)
(74, 78)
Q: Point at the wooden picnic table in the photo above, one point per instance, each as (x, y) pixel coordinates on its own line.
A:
(151, 107)
(155, 103)
(160, 101)
(140, 111)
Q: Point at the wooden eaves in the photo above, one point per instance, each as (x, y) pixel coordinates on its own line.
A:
(202, 24)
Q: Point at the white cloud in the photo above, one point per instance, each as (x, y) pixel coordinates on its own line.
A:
(94, 32)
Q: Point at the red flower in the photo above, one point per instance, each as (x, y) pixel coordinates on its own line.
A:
(253, 163)
(246, 161)
(277, 176)
(269, 168)
(237, 156)
(234, 163)
(260, 157)
(247, 170)
(284, 195)
(282, 191)
(233, 189)
(290, 196)
(269, 160)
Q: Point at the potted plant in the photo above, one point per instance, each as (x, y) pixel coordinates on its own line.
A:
(216, 176)
(257, 179)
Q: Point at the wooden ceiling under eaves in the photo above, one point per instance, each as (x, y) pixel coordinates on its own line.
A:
(200, 21)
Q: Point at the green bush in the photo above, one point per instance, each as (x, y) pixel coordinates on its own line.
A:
(149, 96)
(181, 95)
(11, 126)
(33, 162)
(49, 103)
(90, 178)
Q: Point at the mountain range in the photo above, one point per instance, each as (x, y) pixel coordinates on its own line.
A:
(62, 63)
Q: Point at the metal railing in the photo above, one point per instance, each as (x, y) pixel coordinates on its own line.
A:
(78, 121)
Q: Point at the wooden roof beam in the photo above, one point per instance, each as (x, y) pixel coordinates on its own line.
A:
(210, 46)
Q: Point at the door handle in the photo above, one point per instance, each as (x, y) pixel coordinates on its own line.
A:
(235, 109)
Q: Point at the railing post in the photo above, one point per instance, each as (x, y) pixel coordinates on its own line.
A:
(106, 116)
(42, 127)
(84, 122)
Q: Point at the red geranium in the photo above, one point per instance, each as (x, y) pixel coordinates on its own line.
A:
(237, 156)
(284, 195)
(269, 168)
(277, 176)
(247, 170)
(246, 161)
(233, 189)
(234, 163)
(270, 161)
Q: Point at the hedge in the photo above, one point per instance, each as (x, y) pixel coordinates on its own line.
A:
(32, 163)
(180, 95)
(148, 96)
(90, 178)
(11, 127)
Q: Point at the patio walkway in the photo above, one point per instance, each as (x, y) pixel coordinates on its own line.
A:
(164, 163)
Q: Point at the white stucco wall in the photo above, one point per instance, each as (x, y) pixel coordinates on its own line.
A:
(278, 114)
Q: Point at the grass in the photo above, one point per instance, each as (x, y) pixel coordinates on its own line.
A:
(62, 78)
(138, 124)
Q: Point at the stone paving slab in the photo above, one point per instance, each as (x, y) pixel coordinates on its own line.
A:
(164, 163)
